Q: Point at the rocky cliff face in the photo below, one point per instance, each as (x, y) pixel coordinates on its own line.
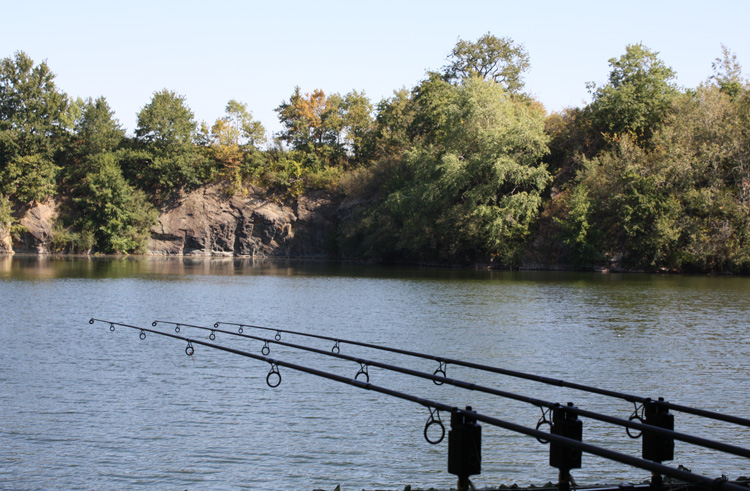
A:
(35, 228)
(6, 245)
(206, 222)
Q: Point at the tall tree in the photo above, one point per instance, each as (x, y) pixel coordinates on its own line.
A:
(249, 132)
(166, 120)
(313, 123)
(358, 124)
(394, 117)
(638, 95)
(472, 191)
(97, 130)
(117, 215)
(168, 158)
(728, 73)
(34, 122)
(500, 60)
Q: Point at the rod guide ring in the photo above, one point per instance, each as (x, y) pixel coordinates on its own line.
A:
(434, 421)
(274, 370)
(363, 371)
(635, 416)
(440, 372)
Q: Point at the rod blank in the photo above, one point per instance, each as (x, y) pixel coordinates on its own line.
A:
(513, 373)
(630, 424)
(654, 467)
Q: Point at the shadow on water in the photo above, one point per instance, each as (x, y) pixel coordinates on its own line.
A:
(41, 267)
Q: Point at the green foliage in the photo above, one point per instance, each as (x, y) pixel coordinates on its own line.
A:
(728, 73)
(576, 230)
(500, 60)
(474, 190)
(637, 97)
(118, 216)
(330, 130)
(67, 240)
(97, 130)
(29, 178)
(390, 135)
(357, 125)
(165, 157)
(31, 107)
(326, 179)
(451, 171)
(309, 120)
(249, 132)
(707, 146)
(166, 121)
(6, 211)
(34, 119)
(431, 100)
(682, 203)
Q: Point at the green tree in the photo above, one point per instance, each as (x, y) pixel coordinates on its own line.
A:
(706, 144)
(249, 132)
(638, 95)
(728, 73)
(358, 124)
(390, 135)
(431, 100)
(165, 158)
(233, 139)
(474, 191)
(166, 121)
(313, 123)
(118, 215)
(681, 203)
(498, 59)
(622, 207)
(97, 130)
(302, 118)
(34, 122)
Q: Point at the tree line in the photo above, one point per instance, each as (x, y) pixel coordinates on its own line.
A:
(465, 166)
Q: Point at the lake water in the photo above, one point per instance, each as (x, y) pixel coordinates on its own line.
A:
(85, 408)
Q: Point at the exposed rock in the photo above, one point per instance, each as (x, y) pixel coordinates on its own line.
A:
(207, 222)
(34, 231)
(6, 244)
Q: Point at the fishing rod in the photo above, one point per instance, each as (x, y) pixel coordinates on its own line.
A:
(365, 363)
(443, 362)
(461, 419)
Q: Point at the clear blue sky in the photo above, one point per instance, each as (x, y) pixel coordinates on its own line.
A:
(257, 52)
